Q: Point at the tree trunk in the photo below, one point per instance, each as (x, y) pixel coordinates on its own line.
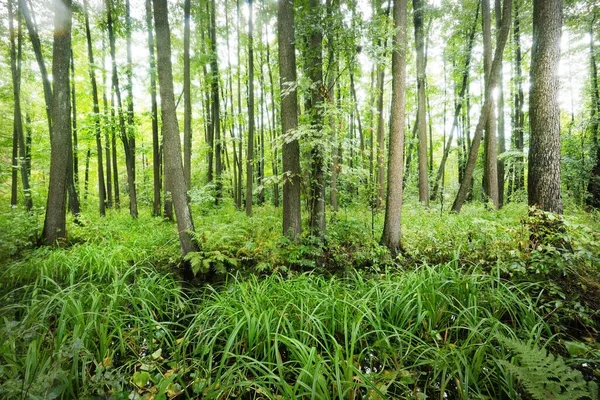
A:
(187, 96)
(96, 108)
(593, 188)
(274, 152)
(107, 127)
(292, 226)
(543, 181)
(421, 123)
(314, 72)
(519, 115)
(392, 227)
(216, 118)
(380, 139)
(466, 183)
(490, 170)
(250, 154)
(173, 162)
(130, 153)
(60, 145)
(156, 159)
(457, 107)
(501, 120)
(37, 49)
(125, 132)
(88, 155)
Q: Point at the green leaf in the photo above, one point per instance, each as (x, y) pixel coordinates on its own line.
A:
(141, 379)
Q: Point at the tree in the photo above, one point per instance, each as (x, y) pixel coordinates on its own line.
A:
(466, 183)
(392, 228)
(60, 145)
(187, 96)
(292, 226)
(593, 188)
(156, 155)
(173, 163)
(421, 124)
(490, 170)
(96, 108)
(543, 182)
(250, 153)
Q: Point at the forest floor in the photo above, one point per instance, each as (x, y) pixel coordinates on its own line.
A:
(485, 304)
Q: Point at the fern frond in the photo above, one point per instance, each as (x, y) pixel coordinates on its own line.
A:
(545, 376)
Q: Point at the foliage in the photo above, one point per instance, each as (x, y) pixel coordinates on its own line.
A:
(544, 375)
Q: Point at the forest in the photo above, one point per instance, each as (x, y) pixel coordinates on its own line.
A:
(299, 199)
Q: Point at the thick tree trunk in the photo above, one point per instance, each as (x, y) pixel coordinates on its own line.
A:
(466, 183)
(421, 124)
(490, 170)
(173, 162)
(250, 154)
(543, 183)
(156, 159)
(457, 107)
(392, 228)
(96, 108)
(60, 145)
(292, 226)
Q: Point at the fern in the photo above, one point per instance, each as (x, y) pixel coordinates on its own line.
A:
(545, 376)
(202, 262)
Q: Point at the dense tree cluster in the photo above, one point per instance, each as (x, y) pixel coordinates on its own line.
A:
(310, 99)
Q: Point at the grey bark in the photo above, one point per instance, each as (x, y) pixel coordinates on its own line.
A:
(250, 153)
(60, 144)
(392, 228)
(156, 156)
(543, 182)
(421, 124)
(292, 226)
(173, 161)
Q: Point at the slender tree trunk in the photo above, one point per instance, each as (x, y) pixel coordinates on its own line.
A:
(187, 96)
(314, 72)
(392, 227)
(73, 199)
(113, 147)
(156, 159)
(60, 146)
(88, 155)
(543, 181)
(457, 107)
(173, 161)
(96, 109)
(250, 154)
(501, 119)
(421, 123)
(125, 132)
(274, 152)
(107, 127)
(466, 183)
(37, 49)
(292, 226)
(216, 118)
(490, 171)
(130, 153)
(74, 127)
(17, 121)
(593, 187)
(239, 119)
(380, 139)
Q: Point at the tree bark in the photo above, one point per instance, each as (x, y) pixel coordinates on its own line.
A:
(96, 109)
(380, 139)
(392, 228)
(466, 183)
(107, 127)
(490, 170)
(187, 96)
(292, 226)
(457, 107)
(314, 109)
(73, 198)
(216, 118)
(60, 145)
(173, 162)
(125, 132)
(250, 154)
(543, 183)
(593, 188)
(421, 123)
(501, 119)
(156, 159)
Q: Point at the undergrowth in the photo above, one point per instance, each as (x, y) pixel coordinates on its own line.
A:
(461, 315)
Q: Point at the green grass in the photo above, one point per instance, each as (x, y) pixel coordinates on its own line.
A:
(108, 315)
